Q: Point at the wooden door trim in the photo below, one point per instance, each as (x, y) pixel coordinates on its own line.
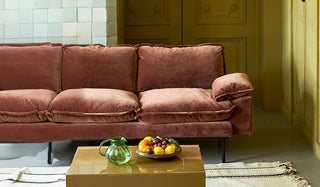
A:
(120, 13)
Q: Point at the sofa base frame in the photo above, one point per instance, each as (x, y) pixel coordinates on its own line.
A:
(222, 142)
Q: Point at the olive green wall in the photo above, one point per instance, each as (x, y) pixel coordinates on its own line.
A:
(270, 30)
(300, 66)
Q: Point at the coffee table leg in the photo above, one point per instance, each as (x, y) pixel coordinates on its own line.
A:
(50, 153)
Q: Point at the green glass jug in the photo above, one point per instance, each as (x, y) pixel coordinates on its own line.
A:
(118, 152)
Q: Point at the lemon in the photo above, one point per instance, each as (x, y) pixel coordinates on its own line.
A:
(148, 138)
(174, 145)
(170, 150)
(158, 151)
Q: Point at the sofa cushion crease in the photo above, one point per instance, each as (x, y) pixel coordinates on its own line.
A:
(23, 113)
(90, 113)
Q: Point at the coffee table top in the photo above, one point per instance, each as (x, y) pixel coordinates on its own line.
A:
(87, 160)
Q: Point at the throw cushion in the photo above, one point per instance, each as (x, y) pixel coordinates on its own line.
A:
(231, 86)
(162, 66)
(30, 67)
(174, 105)
(98, 66)
(29, 105)
(93, 105)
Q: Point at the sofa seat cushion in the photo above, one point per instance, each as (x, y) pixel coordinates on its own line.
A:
(175, 105)
(93, 105)
(26, 105)
(161, 66)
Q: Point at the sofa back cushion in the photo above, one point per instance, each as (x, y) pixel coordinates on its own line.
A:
(98, 66)
(30, 67)
(161, 66)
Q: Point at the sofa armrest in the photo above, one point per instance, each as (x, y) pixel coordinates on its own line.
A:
(242, 117)
(231, 86)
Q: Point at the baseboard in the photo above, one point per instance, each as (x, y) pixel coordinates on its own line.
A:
(305, 130)
(258, 107)
(286, 111)
(316, 149)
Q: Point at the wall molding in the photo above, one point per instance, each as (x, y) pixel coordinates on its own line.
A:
(299, 123)
(220, 12)
(286, 111)
(156, 14)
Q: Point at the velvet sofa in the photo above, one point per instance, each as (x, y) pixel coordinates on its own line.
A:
(52, 92)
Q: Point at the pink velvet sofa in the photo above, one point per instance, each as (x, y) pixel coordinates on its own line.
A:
(52, 92)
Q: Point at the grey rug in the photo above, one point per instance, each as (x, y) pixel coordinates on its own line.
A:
(262, 174)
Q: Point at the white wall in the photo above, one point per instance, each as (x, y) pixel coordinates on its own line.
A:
(58, 21)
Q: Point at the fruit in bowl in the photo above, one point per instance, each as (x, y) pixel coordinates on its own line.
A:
(158, 146)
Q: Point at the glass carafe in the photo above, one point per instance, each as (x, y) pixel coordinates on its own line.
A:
(118, 152)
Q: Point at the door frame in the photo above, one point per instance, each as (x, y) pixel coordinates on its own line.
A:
(120, 21)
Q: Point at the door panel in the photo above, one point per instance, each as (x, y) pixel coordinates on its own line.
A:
(317, 147)
(235, 51)
(151, 13)
(311, 66)
(287, 60)
(305, 66)
(298, 62)
(231, 22)
(220, 12)
(152, 21)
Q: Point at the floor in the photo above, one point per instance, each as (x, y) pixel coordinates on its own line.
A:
(274, 139)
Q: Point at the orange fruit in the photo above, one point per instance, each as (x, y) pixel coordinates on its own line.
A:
(140, 148)
(144, 145)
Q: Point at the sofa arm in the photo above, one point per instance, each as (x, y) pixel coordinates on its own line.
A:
(242, 117)
(231, 86)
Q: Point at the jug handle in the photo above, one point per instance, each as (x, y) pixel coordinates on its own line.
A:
(101, 144)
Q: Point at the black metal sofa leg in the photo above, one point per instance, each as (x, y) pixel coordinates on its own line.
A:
(223, 151)
(50, 153)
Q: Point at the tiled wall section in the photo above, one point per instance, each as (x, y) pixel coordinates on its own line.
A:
(58, 21)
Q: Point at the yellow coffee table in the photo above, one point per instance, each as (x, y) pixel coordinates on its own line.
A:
(90, 169)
